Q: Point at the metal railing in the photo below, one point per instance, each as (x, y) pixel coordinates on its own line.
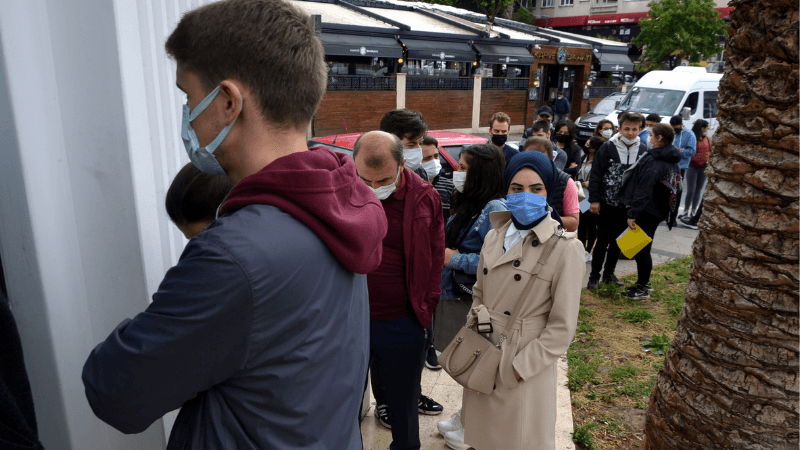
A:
(509, 84)
(439, 83)
(600, 92)
(361, 83)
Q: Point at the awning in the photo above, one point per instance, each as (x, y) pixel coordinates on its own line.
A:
(615, 62)
(571, 21)
(439, 51)
(501, 54)
(355, 45)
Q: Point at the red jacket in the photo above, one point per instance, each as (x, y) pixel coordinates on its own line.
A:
(423, 239)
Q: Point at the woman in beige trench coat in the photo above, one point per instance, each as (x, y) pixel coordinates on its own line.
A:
(521, 412)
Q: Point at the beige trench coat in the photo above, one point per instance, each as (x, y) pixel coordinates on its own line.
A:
(522, 414)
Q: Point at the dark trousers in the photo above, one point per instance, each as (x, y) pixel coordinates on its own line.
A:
(644, 261)
(611, 222)
(587, 230)
(397, 357)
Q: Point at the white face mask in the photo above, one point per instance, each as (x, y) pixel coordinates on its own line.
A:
(459, 180)
(413, 157)
(627, 141)
(432, 168)
(384, 192)
(607, 134)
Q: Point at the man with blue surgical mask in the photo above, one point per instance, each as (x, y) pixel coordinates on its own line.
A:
(410, 128)
(238, 317)
(404, 290)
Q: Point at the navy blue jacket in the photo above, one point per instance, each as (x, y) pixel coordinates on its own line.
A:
(260, 333)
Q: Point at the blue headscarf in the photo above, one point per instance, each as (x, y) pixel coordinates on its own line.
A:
(540, 164)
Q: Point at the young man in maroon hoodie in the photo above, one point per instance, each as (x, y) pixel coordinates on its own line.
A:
(260, 332)
(404, 289)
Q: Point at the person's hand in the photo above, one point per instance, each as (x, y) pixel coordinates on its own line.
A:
(448, 253)
(585, 184)
(516, 374)
(574, 164)
(595, 208)
(631, 224)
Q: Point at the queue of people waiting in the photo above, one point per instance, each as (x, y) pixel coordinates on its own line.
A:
(307, 269)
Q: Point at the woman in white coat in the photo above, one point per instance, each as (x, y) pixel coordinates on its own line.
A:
(521, 412)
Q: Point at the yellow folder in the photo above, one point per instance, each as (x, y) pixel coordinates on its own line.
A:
(631, 241)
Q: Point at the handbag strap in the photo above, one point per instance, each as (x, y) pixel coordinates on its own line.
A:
(545, 255)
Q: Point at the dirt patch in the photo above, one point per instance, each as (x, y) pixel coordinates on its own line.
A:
(617, 354)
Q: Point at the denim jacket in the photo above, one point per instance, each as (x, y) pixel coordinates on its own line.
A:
(469, 251)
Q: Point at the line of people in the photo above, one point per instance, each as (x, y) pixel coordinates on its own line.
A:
(306, 267)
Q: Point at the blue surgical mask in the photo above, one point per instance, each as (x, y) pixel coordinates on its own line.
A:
(526, 209)
(203, 157)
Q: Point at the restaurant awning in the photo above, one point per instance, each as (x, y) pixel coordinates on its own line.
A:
(356, 45)
(440, 51)
(614, 62)
(501, 54)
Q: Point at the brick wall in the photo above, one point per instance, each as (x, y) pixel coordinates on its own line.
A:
(442, 109)
(513, 103)
(362, 110)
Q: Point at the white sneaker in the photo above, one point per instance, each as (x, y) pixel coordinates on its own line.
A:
(455, 440)
(451, 425)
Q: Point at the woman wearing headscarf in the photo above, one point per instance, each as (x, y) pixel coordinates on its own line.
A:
(521, 412)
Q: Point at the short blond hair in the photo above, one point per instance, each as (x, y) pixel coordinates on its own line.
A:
(499, 117)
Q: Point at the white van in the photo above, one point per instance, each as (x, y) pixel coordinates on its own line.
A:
(690, 92)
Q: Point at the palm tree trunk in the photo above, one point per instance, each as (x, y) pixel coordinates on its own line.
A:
(730, 380)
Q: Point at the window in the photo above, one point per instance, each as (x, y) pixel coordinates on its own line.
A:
(547, 3)
(663, 102)
(691, 102)
(710, 104)
(567, 2)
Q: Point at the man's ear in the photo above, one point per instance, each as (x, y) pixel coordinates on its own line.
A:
(231, 91)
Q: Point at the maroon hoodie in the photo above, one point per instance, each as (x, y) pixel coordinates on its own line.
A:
(321, 189)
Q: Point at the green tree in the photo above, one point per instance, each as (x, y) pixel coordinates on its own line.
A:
(685, 29)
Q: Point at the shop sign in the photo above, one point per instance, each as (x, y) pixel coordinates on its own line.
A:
(363, 51)
(561, 55)
(566, 56)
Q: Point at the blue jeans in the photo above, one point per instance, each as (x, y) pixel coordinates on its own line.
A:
(397, 356)
(695, 186)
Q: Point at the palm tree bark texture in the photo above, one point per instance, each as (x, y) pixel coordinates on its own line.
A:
(730, 379)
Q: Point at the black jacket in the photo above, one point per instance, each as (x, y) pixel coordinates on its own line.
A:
(605, 179)
(641, 189)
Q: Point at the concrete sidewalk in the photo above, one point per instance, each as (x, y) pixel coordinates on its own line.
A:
(667, 245)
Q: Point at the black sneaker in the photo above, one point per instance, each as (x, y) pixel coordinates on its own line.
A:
(428, 406)
(688, 223)
(637, 292)
(613, 279)
(594, 282)
(649, 286)
(431, 361)
(382, 413)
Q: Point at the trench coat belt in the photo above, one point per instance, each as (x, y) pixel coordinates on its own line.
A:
(500, 319)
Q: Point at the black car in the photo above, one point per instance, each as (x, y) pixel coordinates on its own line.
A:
(584, 127)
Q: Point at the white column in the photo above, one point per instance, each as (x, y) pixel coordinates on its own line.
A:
(401, 90)
(476, 103)
(89, 117)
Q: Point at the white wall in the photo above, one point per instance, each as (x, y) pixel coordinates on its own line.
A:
(89, 143)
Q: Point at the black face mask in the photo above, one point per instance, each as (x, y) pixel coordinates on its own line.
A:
(563, 138)
(499, 139)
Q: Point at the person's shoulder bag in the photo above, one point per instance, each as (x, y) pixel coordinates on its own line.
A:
(473, 360)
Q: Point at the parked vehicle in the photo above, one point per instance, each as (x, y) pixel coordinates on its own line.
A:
(690, 92)
(450, 144)
(584, 127)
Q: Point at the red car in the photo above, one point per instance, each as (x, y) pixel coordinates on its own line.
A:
(450, 144)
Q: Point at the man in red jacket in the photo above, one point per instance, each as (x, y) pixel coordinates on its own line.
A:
(404, 289)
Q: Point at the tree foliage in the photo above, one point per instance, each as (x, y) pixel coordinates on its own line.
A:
(685, 29)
